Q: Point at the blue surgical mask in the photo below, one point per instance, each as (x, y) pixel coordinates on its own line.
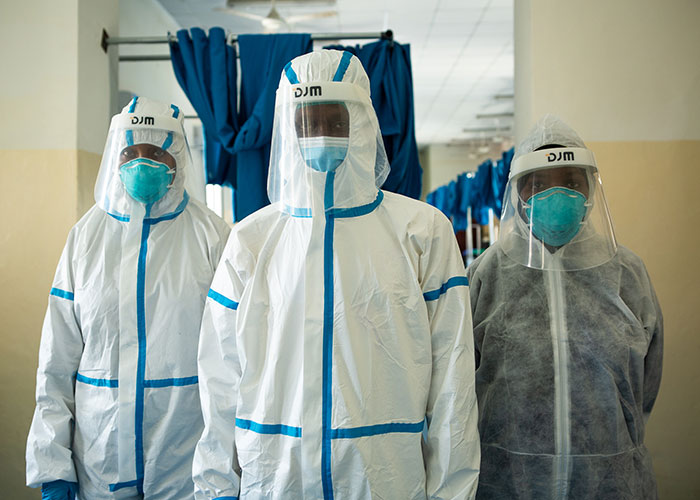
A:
(556, 215)
(146, 180)
(324, 154)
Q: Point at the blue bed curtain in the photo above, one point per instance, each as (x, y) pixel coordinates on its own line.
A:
(263, 58)
(205, 68)
(481, 190)
(388, 65)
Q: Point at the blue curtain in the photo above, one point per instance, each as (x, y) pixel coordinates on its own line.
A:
(205, 68)
(262, 58)
(462, 201)
(444, 198)
(388, 65)
(481, 190)
(500, 178)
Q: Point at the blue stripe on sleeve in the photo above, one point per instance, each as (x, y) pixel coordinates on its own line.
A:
(226, 498)
(62, 293)
(342, 67)
(452, 282)
(373, 430)
(286, 430)
(291, 75)
(224, 301)
(99, 382)
(171, 382)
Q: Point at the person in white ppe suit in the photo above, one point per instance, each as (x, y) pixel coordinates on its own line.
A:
(338, 322)
(568, 334)
(117, 401)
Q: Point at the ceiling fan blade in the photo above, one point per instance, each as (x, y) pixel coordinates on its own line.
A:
(240, 13)
(311, 17)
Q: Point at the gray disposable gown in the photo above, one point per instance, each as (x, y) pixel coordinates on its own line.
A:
(566, 360)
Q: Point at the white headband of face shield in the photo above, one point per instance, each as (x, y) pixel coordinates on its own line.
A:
(134, 121)
(322, 92)
(555, 157)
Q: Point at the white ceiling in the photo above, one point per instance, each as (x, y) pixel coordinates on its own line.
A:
(461, 50)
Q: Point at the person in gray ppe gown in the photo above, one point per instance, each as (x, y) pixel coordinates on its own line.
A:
(568, 336)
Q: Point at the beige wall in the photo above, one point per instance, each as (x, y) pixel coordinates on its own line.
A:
(652, 189)
(55, 94)
(624, 75)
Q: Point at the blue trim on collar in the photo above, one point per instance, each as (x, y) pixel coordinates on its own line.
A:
(357, 211)
(180, 208)
(155, 220)
(342, 67)
(291, 75)
(450, 283)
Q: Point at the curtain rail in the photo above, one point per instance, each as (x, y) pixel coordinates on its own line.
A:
(231, 38)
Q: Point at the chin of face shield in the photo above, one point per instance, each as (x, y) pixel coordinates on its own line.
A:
(556, 202)
(147, 172)
(323, 131)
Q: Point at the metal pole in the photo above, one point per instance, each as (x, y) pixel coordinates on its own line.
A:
(231, 38)
(150, 57)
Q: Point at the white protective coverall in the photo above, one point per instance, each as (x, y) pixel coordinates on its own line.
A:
(568, 337)
(337, 324)
(117, 393)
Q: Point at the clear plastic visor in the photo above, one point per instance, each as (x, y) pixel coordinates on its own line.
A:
(322, 128)
(161, 144)
(557, 218)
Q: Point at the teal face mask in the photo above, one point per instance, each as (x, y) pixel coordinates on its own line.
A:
(323, 153)
(556, 215)
(146, 180)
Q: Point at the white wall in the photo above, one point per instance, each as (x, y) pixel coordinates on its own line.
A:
(154, 79)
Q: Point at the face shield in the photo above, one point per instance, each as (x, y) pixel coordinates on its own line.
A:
(325, 130)
(144, 163)
(554, 212)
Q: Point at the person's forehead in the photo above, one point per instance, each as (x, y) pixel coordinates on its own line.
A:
(559, 172)
(321, 109)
